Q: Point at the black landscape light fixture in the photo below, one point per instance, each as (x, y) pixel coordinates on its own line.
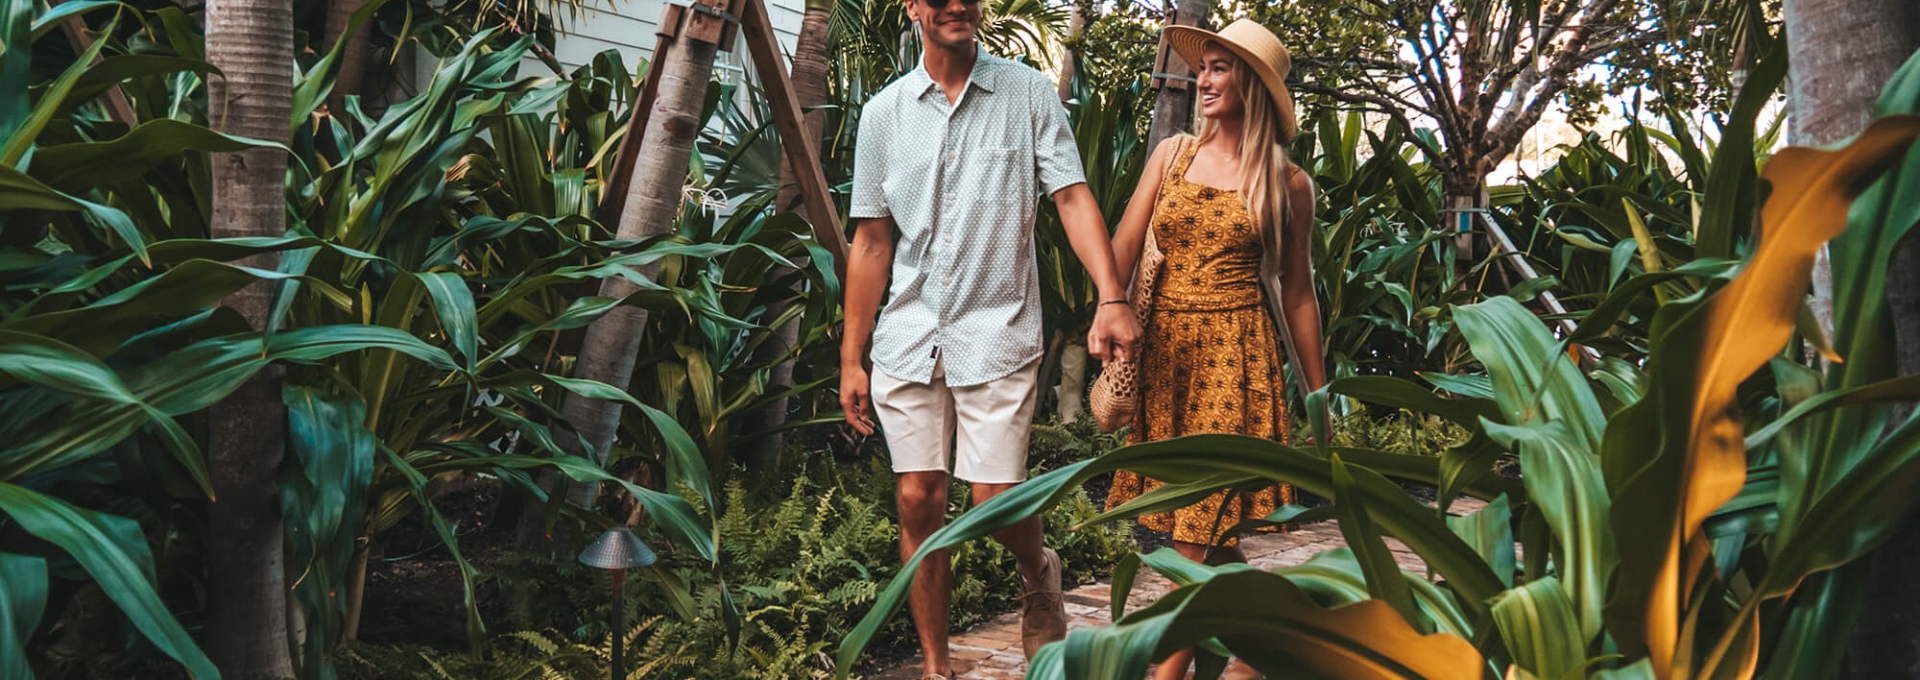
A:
(618, 550)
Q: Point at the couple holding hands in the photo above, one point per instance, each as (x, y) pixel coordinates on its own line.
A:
(1214, 246)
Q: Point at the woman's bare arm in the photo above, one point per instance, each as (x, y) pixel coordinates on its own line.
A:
(1297, 299)
(1131, 237)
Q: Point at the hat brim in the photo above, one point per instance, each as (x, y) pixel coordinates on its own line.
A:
(1191, 44)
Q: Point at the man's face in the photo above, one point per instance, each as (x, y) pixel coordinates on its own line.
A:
(946, 23)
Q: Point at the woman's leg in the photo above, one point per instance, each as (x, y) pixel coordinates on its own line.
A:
(1175, 667)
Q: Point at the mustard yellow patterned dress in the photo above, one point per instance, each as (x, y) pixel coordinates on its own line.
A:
(1212, 360)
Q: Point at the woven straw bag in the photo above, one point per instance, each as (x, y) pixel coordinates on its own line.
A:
(1115, 397)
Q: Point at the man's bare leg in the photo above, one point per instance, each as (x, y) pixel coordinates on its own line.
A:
(922, 498)
(1023, 539)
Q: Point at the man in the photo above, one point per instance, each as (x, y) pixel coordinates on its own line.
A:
(950, 159)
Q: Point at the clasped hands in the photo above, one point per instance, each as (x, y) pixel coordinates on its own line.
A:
(1115, 334)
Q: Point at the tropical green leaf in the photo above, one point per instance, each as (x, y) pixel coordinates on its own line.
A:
(57, 366)
(83, 165)
(323, 498)
(1273, 626)
(1677, 456)
(1376, 561)
(20, 139)
(454, 304)
(114, 551)
(21, 604)
(1541, 628)
(1490, 531)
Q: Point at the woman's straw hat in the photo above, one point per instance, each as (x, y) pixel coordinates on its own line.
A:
(1256, 45)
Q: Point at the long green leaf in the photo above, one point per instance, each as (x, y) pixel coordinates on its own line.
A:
(1184, 460)
(1541, 628)
(1276, 628)
(1376, 561)
(21, 604)
(16, 66)
(1490, 531)
(1730, 182)
(454, 303)
(114, 551)
(323, 499)
(81, 166)
(21, 139)
(685, 465)
(57, 366)
(1566, 485)
(19, 190)
(58, 13)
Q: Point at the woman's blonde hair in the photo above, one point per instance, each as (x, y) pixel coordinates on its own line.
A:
(1263, 163)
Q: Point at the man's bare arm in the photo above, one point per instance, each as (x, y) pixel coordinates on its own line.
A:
(869, 258)
(1115, 327)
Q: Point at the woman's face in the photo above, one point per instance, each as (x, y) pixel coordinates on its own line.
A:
(1219, 94)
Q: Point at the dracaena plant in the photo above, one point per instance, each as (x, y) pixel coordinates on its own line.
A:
(416, 277)
(1695, 517)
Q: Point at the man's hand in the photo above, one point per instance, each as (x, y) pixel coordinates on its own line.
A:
(856, 397)
(1115, 334)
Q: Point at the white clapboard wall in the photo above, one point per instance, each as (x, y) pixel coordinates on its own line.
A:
(629, 26)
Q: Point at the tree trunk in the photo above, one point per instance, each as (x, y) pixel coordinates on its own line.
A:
(353, 59)
(1173, 107)
(251, 42)
(1842, 52)
(811, 70)
(1076, 27)
(653, 199)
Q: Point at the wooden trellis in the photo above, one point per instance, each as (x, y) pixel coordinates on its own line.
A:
(719, 22)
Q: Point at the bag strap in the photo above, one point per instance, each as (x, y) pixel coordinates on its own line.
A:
(1151, 243)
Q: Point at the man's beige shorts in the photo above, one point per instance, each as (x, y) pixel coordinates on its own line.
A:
(991, 422)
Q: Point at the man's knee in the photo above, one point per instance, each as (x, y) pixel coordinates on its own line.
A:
(922, 494)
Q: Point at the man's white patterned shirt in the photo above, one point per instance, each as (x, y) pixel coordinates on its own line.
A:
(961, 182)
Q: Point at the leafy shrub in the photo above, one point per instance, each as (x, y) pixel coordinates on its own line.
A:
(802, 560)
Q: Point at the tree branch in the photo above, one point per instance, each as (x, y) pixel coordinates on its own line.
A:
(1379, 97)
(1385, 105)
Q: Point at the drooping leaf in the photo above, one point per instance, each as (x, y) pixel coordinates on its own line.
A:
(1369, 548)
(114, 552)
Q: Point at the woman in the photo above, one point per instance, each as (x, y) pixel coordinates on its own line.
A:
(1233, 220)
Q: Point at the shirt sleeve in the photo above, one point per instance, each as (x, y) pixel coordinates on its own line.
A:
(870, 164)
(1056, 157)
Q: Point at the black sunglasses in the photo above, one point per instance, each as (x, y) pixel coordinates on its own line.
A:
(942, 4)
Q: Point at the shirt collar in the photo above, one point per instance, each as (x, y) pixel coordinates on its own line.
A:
(985, 75)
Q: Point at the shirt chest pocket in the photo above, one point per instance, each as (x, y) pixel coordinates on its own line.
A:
(1001, 169)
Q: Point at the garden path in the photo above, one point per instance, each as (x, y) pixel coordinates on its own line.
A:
(991, 650)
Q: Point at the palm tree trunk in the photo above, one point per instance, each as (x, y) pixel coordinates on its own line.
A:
(1841, 54)
(810, 73)
(251, 42)
(1173, 108)
(1076, 27)
(653, 199)
(353, 59)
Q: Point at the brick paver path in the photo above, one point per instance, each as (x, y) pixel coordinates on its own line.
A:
(991, 650)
